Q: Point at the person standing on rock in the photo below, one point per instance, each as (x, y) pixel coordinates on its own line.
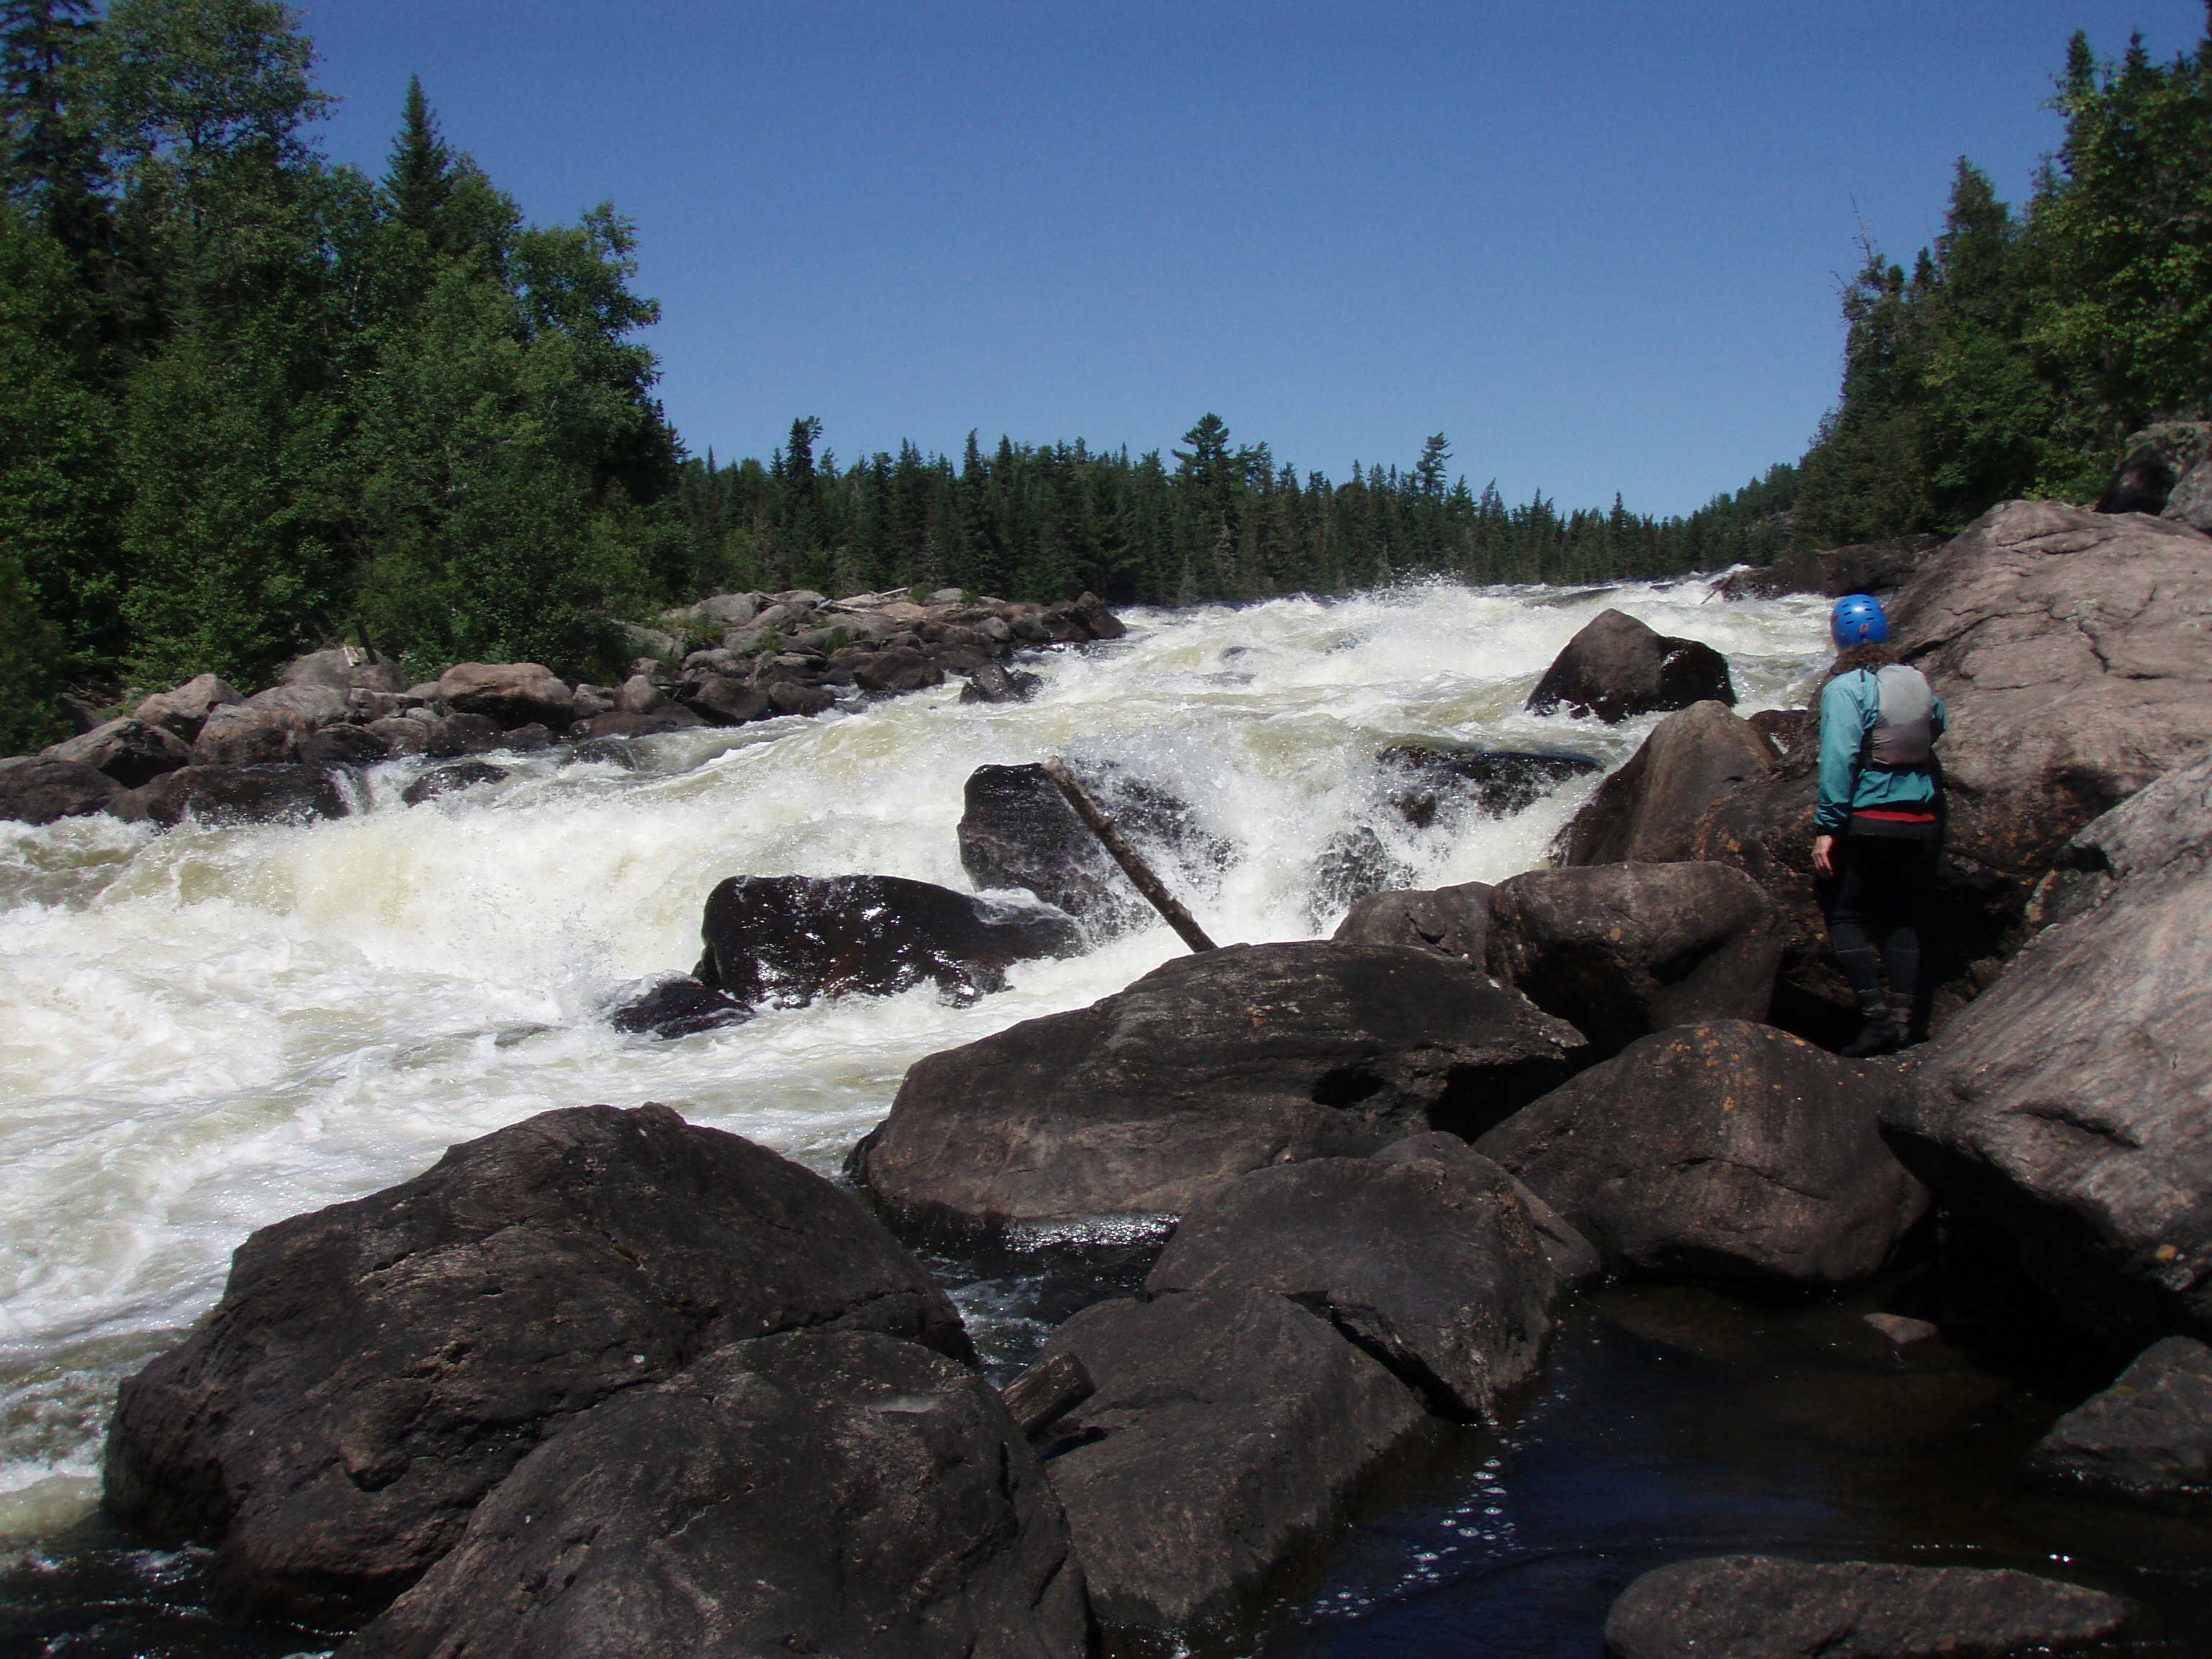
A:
(1879, 820)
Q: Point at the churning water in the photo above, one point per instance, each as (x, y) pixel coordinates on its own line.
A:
(204, 1031)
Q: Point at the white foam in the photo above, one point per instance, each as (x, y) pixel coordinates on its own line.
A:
(204, 1031)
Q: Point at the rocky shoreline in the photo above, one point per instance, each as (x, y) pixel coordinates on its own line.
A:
(203, 750)
(604, 1382)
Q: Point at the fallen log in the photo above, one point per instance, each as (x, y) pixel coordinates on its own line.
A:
(1133, 865)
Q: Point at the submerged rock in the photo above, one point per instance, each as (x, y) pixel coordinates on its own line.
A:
(1227, 1429)
(1209, 1066)
(821, 1492)
(1618, 666)
(1728, 1152)
(375, 1368)
(451, 779)
(1430, 1266)
(1619, 950)
(1426, 778)
(2146, 1439)
(788, 939)
(993, 684)
(678, 1007)
(1760, 1606)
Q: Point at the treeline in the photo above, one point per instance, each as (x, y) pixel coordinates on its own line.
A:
(2022, 348)
(252, 396)
(1207, 522)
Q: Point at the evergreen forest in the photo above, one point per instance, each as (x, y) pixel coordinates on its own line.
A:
(259, 401)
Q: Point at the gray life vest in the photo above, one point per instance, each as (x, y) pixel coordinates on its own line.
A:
(1904, 732)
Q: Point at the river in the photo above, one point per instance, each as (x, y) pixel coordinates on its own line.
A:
(206, 1031)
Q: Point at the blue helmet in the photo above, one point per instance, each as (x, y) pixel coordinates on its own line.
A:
(1858, 619)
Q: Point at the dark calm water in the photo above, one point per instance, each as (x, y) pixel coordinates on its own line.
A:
(1670, 1423)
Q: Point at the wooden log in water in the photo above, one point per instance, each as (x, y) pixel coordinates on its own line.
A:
(1133, 865)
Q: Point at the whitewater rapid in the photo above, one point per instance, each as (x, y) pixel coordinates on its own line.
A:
(204, 1031)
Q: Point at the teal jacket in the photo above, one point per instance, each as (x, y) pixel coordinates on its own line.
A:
(1849, 706)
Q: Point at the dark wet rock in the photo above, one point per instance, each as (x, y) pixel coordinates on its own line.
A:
(509, 693)
(451, 780)
(836, 1493)
(1729, 1151)
(1647, 812)
(1574, 1260)
(606, 751)
(375, 1369)
(345, 745)
(679, 1008)
(2061, 1115)
(41, 791)
(2156, 459)
(715, 698)
(2146, 1439)
(237, 734)
(993, 684)
(280, 793)
(789, 697)
(465, 734)
(1424, 778)
(1860, 568)
(1208, 1066)
(1618, 666)
(1228, 1429)
(887, 673)
(788, 939)
(1619, 950)
(1353, 865)
(184, 708)
(342, 668)
(676, 718)
(400, 735)
(1790, 730)
(526, 739)
(1454, 921)
(1088, 613)
(1760, 1606)
(132, 751)
(1432, 1267)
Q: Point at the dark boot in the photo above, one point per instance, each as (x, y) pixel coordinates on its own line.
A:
(1880, 1034)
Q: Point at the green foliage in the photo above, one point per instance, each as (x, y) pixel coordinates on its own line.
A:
(2026, 347)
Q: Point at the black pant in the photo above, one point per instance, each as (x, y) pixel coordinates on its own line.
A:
(1879, 898)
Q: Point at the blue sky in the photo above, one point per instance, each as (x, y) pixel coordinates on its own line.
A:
(1596, 242)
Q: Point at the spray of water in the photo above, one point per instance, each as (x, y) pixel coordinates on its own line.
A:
(204, 1031)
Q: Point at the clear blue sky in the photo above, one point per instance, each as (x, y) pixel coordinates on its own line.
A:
(1596, 242)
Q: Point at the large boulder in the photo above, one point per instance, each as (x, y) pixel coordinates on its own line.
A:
(132, 751)
(183, 709)
(2156, 461)
(341, 668)
(375, 1368)
(1761, 1606)
(2190, 503)
(1619, 950)
(1227, 1429)
(2146, 1439)
(509, 693)
(820, 1492)
(310, 707)
(281, 793)
(1860, 568)
(1618, 666)
(788, 939)
(716, 699)
(41, 791)
(1208, 1066)
(238, 734)
(1425, 778)
(1647, 812)
(1728, 1152)
(1453, 921)
(2063, 1114)
(1430, 1265)
(889, 672)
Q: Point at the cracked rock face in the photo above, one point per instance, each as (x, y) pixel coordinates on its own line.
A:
(1209, 1066)
(1728, 1151)
(2063, 1112)
(375, 1368)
